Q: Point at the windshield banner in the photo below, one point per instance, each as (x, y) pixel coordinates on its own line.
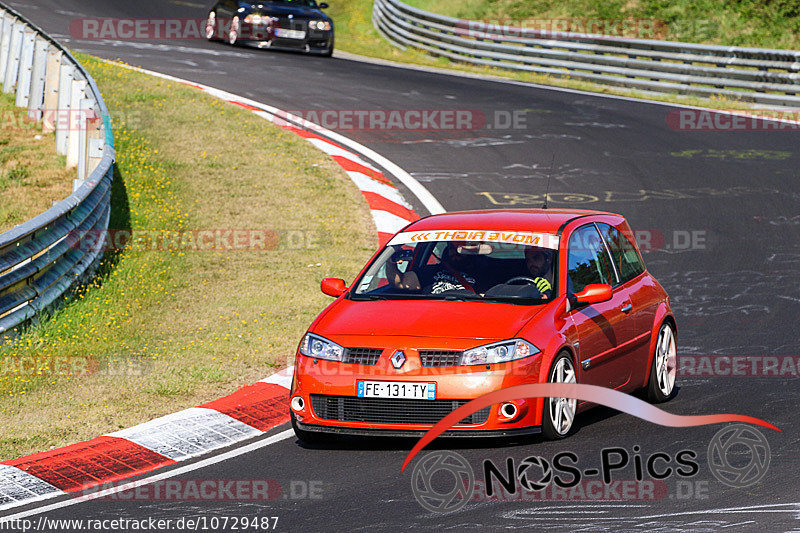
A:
(543, 240)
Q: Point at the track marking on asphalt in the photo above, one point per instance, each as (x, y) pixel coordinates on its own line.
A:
(157, 477)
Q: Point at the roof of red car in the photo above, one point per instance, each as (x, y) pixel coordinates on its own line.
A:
(539, 220)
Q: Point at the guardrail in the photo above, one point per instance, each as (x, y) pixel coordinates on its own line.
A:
(758, 75)
(39, 259)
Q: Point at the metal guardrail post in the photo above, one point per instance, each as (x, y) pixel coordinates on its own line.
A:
(73, 124)
(36, 94)
(95, 139)
(25, 68)
(62, 110)
(5, 43)
(85, 111)
(12, 64)
(52, 77)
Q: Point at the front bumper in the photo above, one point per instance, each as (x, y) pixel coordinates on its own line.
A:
(259, 36)
(458, 384)
(372, 432)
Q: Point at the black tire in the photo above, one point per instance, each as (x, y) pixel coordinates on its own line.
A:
(310, 437)
(661, 388)
(549, 427)
(329, 51)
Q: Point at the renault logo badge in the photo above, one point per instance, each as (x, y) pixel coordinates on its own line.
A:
(398, 359)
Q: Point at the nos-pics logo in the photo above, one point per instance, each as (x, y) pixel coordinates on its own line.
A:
(444, 481)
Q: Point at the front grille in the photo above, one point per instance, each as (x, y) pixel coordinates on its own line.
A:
(390, 411)
(439, 357)
(361, 356)
(292, 24)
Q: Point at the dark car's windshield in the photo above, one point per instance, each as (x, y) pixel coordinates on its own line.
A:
(298, 3)
(480, 270)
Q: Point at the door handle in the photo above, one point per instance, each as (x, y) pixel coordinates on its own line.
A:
(627, 308)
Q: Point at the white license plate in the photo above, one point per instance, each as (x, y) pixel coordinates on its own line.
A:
(290, 34)
(397, 389)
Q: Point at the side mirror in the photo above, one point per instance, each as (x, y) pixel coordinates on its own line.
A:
(323, 5)
(334, 287)
(594, 294)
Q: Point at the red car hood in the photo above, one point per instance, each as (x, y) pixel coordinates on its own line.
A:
(418, 318)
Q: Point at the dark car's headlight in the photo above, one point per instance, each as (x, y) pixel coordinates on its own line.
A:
(323, 25)
(499, 352)
(320, 348)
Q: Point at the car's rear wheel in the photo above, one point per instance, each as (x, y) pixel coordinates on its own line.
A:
(559, 413)
(661, 385)
(211, 26)
(309, 437)
(234, 31)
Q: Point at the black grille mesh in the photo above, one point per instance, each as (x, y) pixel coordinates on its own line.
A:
(439, 357)
(362, 356)
(390, 410)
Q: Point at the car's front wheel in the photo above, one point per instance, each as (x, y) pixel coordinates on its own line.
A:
(661, 385)
(559, 413)
(329, 51)
(309, 437)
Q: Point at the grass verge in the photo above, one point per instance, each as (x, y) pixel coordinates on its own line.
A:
(356, 34)
(32, 175)
(759, 23)
(166, 329)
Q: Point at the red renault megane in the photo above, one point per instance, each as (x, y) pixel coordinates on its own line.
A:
(461, 304)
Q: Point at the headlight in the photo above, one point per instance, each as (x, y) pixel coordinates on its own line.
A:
(319, 25)
(499, 352)
(254, 19)
(320, 348)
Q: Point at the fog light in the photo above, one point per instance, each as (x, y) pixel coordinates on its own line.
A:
(298, 404)
(509, 410)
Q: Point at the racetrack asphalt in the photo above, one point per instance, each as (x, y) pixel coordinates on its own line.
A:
(735, 289)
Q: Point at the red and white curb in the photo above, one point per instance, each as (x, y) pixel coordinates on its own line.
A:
(170, 439)
(248, 412)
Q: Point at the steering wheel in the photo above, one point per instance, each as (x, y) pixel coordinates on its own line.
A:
(529, 281)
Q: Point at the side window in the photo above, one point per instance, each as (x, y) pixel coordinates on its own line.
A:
(629, 264)
(587, 259)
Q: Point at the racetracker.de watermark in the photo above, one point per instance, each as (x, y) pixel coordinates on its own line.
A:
(738, 366)
(562, 28)
(197, 240)
(734, 120)
(444, 481)
(393, 120)
(70, 365)
(207, 489)
(164, 29)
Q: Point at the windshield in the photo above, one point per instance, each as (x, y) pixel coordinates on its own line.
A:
(480, 270)
(299, 3)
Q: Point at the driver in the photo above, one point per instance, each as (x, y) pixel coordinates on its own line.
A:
(457, 269)
(539, 262)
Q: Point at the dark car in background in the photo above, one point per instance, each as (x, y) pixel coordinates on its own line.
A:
(281, 24)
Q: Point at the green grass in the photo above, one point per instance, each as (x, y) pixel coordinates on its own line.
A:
(32, 175)
(163, 330)
(759, 23)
